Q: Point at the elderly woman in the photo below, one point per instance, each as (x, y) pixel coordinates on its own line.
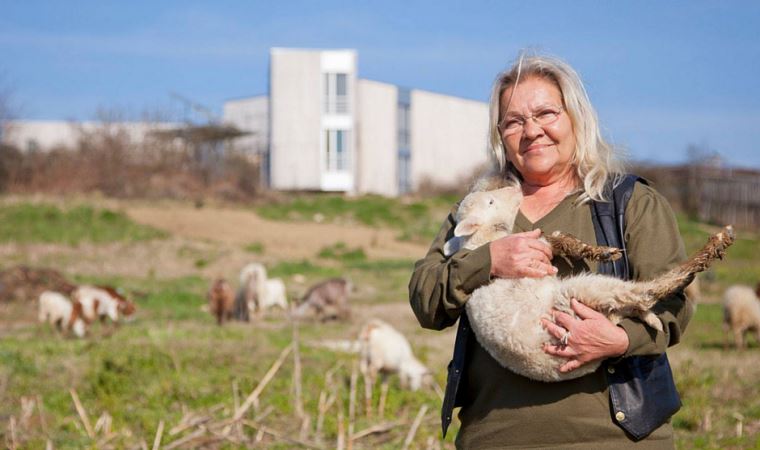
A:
(544, 133)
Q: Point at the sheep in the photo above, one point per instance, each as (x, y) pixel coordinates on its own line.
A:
(221, 300)
(258, 292)
(55, 308)
(384, 350)
(741, 312)
(504, 315)
(326, 300)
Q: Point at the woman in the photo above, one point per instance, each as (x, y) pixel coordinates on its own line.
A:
(544, 133)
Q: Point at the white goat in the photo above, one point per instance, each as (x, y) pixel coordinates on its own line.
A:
(384, 350)
(260, 292)
(56, 309)
(505, 315)
(741, 312)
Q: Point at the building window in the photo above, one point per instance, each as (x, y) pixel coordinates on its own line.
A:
(404, 141)
(336, 93)
(337, 150)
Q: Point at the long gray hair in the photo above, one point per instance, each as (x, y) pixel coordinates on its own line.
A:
(595, 161)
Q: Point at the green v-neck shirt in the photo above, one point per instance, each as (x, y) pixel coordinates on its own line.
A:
(505, 410)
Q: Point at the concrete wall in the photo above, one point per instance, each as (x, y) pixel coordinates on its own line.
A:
(449, 137)
(295, 121)
(377, 138)
(45, 135)
(251, 115)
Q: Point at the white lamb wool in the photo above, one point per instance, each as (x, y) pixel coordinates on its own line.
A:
(384, 349)
(505, 315)
(741, 312)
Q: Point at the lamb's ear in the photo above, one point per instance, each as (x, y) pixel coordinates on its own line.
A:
(467, 227)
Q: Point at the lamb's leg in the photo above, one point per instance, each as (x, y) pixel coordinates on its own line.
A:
(678, 278)
(739, 338)
(383, 396)
(569, 245)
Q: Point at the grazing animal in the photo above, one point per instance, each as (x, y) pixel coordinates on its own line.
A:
(57, 310)
(258, 292)
(505, 315)
(741, 312)
(383, 350)
(221, 300)
(103, 302)
(326, 300)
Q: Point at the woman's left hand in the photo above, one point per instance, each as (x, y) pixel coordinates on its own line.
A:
(590, 337)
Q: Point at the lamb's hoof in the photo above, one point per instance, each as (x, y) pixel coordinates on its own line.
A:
(612, 254)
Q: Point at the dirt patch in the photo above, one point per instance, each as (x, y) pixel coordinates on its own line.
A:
(281, 240)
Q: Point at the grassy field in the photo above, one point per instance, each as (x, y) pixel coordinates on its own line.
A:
(173, 364)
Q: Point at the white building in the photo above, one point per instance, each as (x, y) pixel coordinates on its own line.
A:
(322, 128)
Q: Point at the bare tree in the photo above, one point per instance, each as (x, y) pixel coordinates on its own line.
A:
(6, 106)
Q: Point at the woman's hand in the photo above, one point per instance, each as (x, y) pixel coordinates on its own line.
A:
(589, 338)
(521, 255)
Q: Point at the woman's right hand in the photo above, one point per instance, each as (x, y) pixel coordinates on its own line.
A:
(521, 255)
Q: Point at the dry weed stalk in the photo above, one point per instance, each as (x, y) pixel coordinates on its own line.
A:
(254, 396)
(82, 414)
(415, 425)
(376, 429)
(159, 434)
(280, 435)
(352, 402)
(298, 397)
(367, 396)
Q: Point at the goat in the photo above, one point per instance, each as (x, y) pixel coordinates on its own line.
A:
(384, 350)
(56, 309)
(505, 314)
(258, 292)
(741, 312)
(96, 303)
(221, 300)
(326, 300)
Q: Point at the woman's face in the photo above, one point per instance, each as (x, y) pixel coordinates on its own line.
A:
(541, 153)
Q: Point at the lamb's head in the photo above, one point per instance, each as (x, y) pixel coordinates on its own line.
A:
(413, 374)
(484, 216)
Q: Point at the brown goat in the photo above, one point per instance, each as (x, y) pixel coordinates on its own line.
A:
(326, 300)
(221, 299)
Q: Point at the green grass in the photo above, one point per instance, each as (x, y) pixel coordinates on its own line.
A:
(42, 223)
(257, 248)
(340, 252)
(173, 358)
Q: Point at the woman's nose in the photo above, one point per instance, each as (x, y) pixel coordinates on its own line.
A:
(531, 129)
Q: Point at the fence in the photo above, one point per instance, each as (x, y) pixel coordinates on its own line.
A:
(716, 195)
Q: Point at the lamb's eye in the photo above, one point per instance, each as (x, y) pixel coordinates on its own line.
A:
(490, 202)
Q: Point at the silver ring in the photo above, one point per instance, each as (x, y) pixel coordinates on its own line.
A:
(565, 337)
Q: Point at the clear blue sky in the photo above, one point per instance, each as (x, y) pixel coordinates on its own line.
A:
(662, 75)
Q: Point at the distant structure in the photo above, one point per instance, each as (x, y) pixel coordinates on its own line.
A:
(321, 128)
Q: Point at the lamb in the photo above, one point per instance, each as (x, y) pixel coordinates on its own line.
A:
(384, 350)
(56, 309)
(258, 292)
(326, 300)
(741, 312)
(505, 314)
(221, 300)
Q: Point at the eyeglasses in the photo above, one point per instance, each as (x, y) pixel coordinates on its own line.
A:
(547, 115)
